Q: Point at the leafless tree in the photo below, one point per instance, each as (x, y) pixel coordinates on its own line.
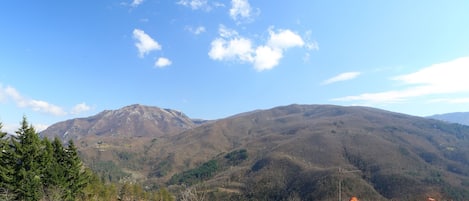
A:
(191, 194)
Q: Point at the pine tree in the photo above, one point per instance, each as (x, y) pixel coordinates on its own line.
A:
(4, 163)
(59, 166)
(76, 176)
(52, 176)
(27, 170)
(6, 169)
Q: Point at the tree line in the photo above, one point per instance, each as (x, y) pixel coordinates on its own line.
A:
(32, 168)
(38, 169)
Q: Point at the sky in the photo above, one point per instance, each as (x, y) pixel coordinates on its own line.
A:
(212, 59)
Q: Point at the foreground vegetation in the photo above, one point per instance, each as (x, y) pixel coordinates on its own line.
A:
(34, 169)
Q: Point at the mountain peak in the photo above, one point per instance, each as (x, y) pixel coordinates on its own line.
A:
(130, 121)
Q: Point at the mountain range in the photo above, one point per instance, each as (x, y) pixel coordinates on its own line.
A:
(454, 117)
(295, 152)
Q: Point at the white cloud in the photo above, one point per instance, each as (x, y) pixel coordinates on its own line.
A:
(36, 105)
(218, 4)
(230, 46)
(145, 43)
(241, 11)
(341, 77)
(233, 49)
(226, 32)
(135, 3)
(10, 93)
(162, 62)
(284, 39)
(43, 106)
(197, 30)
(312, 45)
(438, 79)
(12, 128)
(381, 97)
(267, 58)
(447, 77)
(195, 4)
(450, 100)
(79, 108)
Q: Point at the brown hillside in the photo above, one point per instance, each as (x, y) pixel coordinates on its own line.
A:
(296, 151)
(131, 121)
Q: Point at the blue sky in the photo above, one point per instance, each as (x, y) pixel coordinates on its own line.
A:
(212, 58)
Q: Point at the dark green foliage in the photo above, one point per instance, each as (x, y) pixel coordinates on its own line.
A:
(6, 169)
(236, 157)
(27, 166)
(204, 171)
(75, 176)
(162, 169)
(37, 169)
(260, 164)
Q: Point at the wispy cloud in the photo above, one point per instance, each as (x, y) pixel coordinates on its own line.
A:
(11, 128)
(136, 3)
(230, 46)
(162, 62)
(447, 78)
(450, 100)
(341, 77)
(310, 43)
(241, 11)
(197, 30)
(36, 105)
(9, 93)
(144, 43)
(80, 108)
(195, 4)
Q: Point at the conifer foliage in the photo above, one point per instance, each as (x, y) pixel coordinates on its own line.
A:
(33, 169)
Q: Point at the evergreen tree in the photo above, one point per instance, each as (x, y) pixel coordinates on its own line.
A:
(52, 175)
(37, 169)
(59, 166)
(27, 183)
(76, 176)
(6, 169)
